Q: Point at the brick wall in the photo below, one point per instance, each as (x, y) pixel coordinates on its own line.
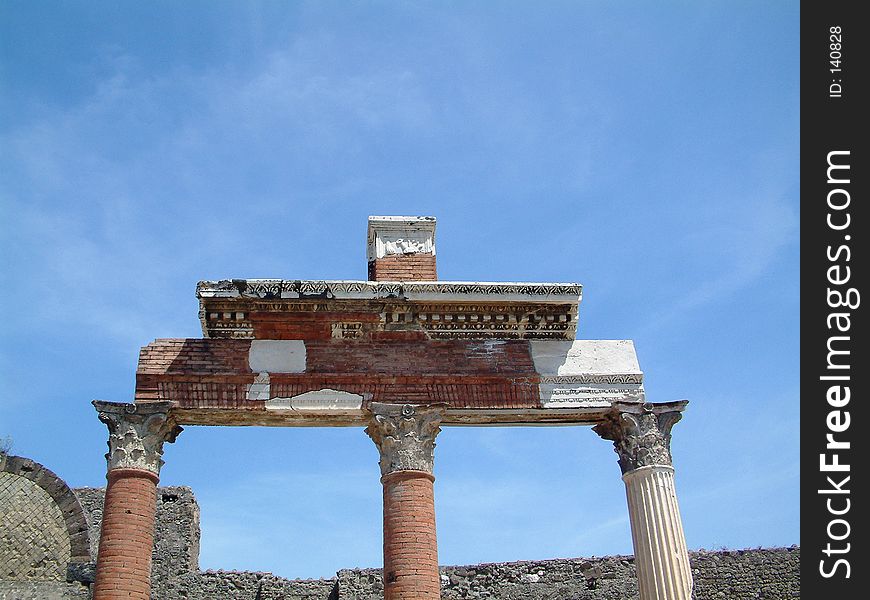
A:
(403, 267)
(214, 373)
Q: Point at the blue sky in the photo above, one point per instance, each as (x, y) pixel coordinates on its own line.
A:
(647, 152)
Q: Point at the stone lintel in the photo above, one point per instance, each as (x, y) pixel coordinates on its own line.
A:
(361, 417)
(137, 433)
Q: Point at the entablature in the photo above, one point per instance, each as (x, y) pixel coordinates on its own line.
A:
(333, 382)
(302, 309)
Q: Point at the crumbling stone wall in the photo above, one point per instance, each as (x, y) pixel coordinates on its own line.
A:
(176, 536)
(765, 574)
(762, 574)
(175, 570)
(242, 585)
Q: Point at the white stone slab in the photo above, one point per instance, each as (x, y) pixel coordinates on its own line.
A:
(319, 400)
(585, 358)
(277, 356)
(587, 373)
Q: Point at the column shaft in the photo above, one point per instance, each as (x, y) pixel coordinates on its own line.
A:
(410, 546)
(126, 536)
(137, 433)
(660, 552)
(405, 437)
(641, 436)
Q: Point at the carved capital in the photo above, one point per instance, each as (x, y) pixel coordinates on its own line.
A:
(405, 435)
(137, 433)
(641, 433)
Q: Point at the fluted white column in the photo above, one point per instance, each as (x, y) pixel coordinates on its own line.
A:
(661, 556)
(641, 435)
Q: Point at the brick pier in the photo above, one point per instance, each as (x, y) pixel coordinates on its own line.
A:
(127, 535)
(410, 546)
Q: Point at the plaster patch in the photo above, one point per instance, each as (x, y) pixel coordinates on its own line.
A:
(260, 389)
(585, 357)
(277, 356)
(325, 399)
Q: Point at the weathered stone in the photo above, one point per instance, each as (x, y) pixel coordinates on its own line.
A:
(137, 433)
(279, 309)
(400, 235)
(43, 531)
(641, 433)
(769, 574)
(405, 435)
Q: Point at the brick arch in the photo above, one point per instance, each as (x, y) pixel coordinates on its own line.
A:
(63, 496)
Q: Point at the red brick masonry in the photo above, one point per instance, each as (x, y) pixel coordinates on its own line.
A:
(403, 267)
(127, 536)
(214, 373)
(410, 547)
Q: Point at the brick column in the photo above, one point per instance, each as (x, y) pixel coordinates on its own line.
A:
(641, 435)
(405, 437)
(136, 436)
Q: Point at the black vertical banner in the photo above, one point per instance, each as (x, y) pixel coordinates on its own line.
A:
(835, 225)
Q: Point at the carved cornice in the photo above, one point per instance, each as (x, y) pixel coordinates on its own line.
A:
(419, 290)
(641, 433)
(137, 433)
(405, 435)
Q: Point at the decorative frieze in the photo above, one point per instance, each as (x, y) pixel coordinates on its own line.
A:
(356, 319)
(347, 330)
(587, 373)
(587, 395)
(137, 433)
(405, 435)
(641, 433)
(390, 236)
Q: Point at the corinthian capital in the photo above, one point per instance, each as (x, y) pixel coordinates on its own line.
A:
(137, 433)
(641, 433)
(405, 435)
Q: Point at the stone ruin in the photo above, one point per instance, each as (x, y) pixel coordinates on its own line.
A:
(49, 536)
(400, 355)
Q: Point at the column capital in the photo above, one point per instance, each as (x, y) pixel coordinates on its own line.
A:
(641, 433)
(137, 433)
(405, 435)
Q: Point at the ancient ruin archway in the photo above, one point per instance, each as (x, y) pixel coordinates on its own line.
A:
(401, 355)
